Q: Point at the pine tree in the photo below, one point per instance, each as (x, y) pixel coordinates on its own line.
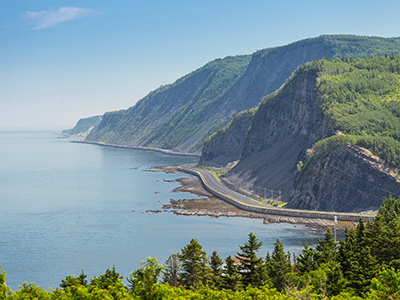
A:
(251, 267)
(305, 261)
(281, 266)
(325, 250)
(173, 267)
(216, 267)
(195, 271)
(231, 277)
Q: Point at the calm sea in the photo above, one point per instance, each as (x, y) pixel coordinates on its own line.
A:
(67, 207)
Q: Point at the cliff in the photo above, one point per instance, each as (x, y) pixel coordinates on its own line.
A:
(284, 126)
(350, 178)
(324, 106)
(83, 126)
(226, 145)
(180, 116)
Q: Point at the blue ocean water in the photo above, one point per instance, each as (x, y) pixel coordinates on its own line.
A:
(67, 207)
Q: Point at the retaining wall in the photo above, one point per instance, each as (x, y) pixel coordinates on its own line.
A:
(276, 211)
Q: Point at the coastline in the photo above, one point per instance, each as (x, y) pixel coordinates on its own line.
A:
(169, 152)
(214, 207)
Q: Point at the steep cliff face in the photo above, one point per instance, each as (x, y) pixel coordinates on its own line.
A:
(84, 126)
(284, 126)
(350, 178)
(226, 145)
(180, 116)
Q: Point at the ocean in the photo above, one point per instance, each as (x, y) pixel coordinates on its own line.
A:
(67, 207)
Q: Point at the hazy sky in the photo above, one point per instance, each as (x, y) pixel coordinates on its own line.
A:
(64, 60)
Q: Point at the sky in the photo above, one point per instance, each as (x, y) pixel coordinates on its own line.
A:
(65, 60)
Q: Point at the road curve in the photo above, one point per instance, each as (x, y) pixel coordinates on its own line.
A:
(245, 203)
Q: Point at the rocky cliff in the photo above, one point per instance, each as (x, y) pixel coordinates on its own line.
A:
(325, 107)
(350, 178)
(226, 145)
(180, 116)
(284, 126)
(83, 127)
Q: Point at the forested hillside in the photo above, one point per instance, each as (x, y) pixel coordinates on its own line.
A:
(83, 126)
(182, 115)
(293, 128)
(363, 265)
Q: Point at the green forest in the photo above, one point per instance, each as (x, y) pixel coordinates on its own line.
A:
(362, 99)
(364, 265)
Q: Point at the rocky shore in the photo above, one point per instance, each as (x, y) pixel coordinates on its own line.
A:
(213, 207)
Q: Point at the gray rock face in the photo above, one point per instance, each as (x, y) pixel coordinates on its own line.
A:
(188, 108)
(350, 178)
(227, 146)
(283, 128)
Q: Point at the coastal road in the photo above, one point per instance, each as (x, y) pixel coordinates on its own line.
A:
(214, 183)
(219, 190)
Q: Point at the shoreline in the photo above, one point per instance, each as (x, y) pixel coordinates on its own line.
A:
(214, 207)
(169, 152)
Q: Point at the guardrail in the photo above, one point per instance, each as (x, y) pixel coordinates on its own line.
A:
(274, 210)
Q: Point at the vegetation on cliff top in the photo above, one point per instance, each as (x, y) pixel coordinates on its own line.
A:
(366, 264)
(180, 116)
(362, 98)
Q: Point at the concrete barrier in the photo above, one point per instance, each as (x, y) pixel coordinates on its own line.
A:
(275, 210)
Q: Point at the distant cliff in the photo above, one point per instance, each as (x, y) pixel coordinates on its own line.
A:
(180, 116)
(83, 127)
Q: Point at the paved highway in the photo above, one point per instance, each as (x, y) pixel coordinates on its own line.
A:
(213, 182)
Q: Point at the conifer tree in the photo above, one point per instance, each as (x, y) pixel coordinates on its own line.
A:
(231, 277)
(305, 261)
(251, 267)
(195, 271)
(325, 250)
(173, 267)
(281, 266)
(216, 267)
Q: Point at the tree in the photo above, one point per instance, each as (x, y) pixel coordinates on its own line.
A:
(72, 280)
(385, 286)
(305, 261)
(4, 289)
(109, 278)
(280, 266)
(325, 250)
(216, 264)
(195, 271)
(143, 280)
(251, 267)
(172, 270)
(231, 277)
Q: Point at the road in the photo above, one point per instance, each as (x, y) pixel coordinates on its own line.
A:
(243, 202)
(214, 183)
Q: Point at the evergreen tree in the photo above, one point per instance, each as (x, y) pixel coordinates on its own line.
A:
(305, 261)
(173, 267)
(194, 265)
(325, 250)
(216, 267)
(281, 267)
(231, 277)
(251, 267)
